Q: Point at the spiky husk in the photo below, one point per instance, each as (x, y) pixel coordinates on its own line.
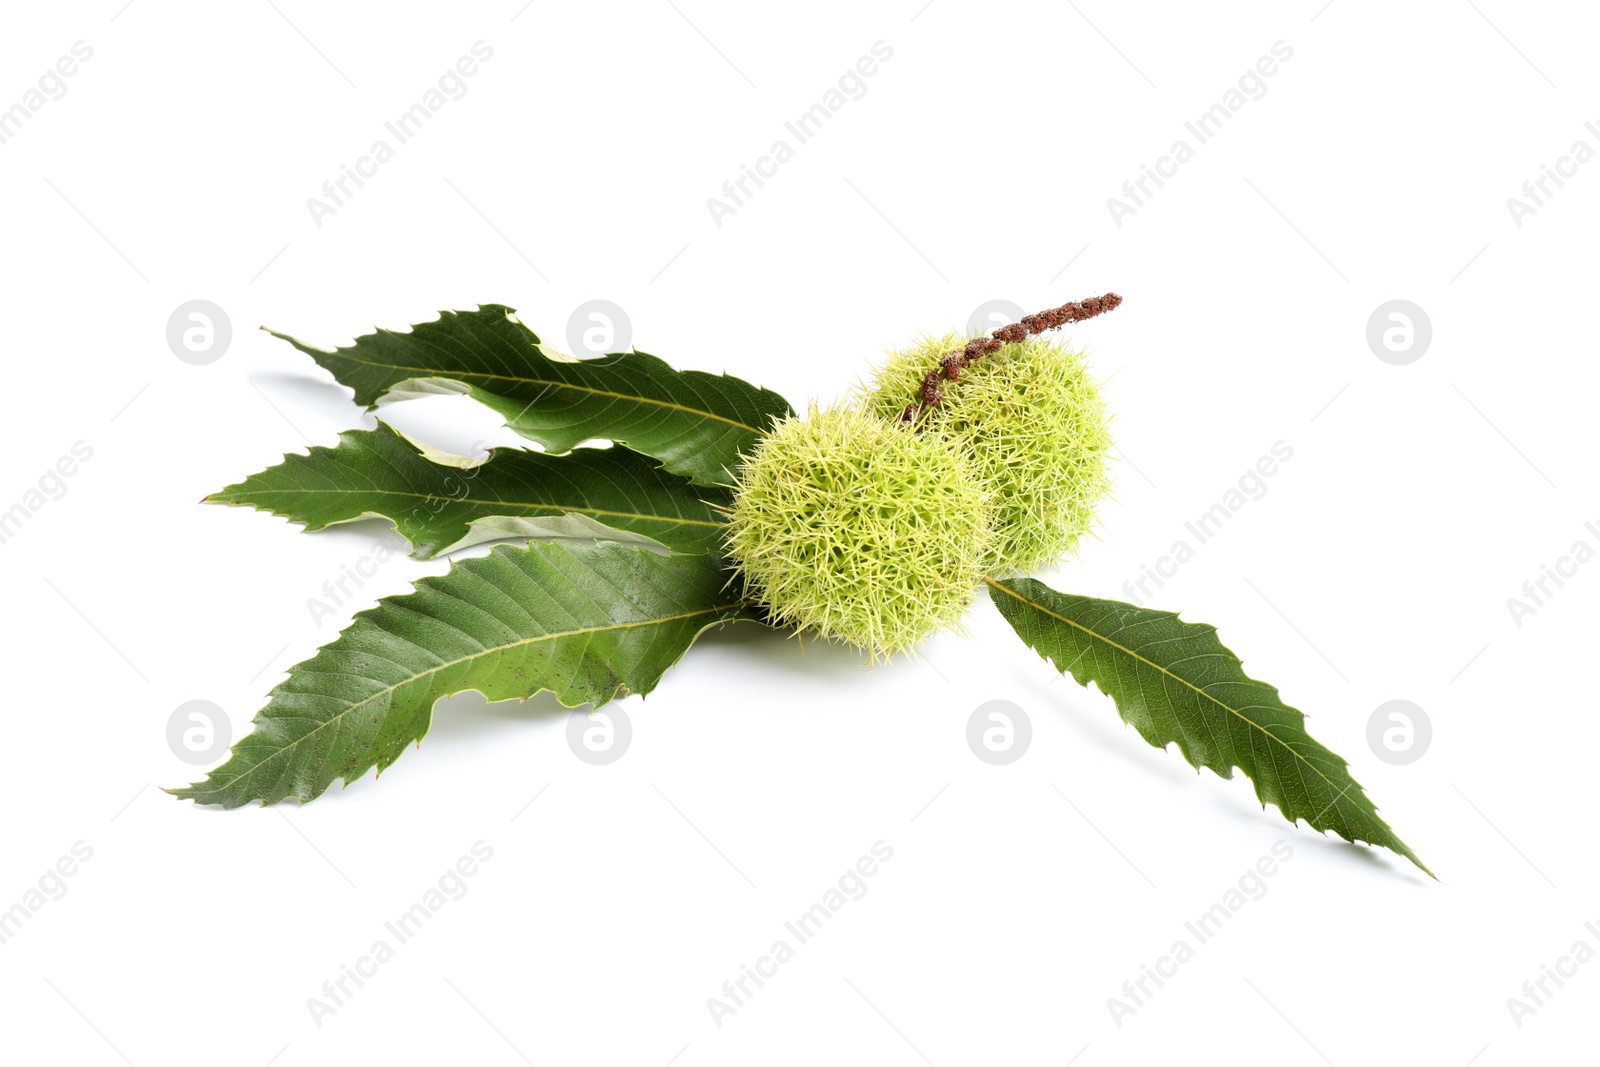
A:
(1035, 427)
(854, 528)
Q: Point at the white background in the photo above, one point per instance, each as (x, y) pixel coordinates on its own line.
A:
(977, 166)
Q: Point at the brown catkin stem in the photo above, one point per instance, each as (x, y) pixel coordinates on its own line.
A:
(951, 364)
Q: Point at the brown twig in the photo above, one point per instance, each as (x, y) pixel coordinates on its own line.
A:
(951, 364)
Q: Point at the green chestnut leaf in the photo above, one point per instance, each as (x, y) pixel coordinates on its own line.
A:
(695, 424)
(1175, 681)
(586, 621)
(440, 506)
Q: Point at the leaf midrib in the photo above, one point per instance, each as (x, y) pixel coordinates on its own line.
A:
(470, 500)
(435, 372)
(463, 659)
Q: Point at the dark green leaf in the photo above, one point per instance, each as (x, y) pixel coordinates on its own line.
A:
(696, 424)
(606, 493)
(1175, 681)
(587, 622)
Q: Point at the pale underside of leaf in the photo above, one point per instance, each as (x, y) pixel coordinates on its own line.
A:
(586, 622)
(1176, 682)
(605, 494)
(694, 423)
